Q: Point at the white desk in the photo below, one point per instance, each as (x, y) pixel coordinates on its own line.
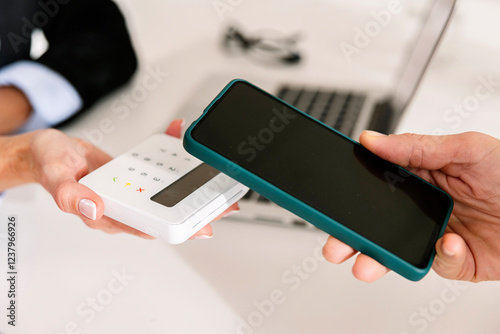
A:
(208, 286)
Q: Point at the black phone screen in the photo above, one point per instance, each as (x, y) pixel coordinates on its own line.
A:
(325, 170)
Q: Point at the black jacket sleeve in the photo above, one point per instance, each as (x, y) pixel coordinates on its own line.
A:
(89, 45)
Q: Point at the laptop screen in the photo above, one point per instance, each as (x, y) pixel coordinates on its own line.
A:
(420, 57)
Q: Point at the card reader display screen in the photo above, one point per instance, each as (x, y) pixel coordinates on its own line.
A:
(325, 170)
(185, 186)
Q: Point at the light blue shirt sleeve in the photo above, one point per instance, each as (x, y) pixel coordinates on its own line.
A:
(52, 96)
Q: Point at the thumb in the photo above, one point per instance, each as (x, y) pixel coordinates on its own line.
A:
(73, 197)
(451, 254)
(422, 151)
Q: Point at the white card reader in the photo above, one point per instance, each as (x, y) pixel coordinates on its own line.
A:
(161, 190)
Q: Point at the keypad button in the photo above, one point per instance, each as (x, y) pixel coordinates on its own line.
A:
(158, 165)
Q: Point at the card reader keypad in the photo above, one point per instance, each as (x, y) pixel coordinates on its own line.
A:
(150, 167)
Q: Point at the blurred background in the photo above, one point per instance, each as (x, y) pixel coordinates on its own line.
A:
(252, 277)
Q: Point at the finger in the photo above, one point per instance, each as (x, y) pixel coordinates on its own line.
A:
(205, 233)
(104, 224)
(73, 197)
(427, 152)
(91, 210)
(367, 269)
(110, 225)
(451, 255)
(229, 211)
(175, 128)
(336, 251)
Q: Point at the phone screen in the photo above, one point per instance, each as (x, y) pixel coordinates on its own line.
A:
(325, 170)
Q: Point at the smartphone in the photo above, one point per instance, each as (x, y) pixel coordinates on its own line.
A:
(323, 176)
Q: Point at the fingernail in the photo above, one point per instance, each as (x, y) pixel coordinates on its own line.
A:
(230, 213)
(183, 122)
(88, 208)
(204, 237)
(448, 252)
(375, 134)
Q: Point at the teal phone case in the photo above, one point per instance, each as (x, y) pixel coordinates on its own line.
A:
(301, 209)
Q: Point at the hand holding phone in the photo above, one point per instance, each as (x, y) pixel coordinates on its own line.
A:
(322, 176)
(465, 165)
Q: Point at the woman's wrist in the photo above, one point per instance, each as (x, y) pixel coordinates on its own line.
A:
(15, 109)
(17, 166)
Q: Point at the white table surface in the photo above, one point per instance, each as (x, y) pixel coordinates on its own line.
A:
(217, 285)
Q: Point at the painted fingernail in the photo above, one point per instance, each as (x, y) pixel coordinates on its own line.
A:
(183, 122)
(230, 213)
(204, 237)
(88, 208)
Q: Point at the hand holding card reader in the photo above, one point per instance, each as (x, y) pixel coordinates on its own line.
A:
(161, 190)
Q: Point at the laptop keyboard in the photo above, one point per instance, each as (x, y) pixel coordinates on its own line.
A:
(336, 109)
(339, 110)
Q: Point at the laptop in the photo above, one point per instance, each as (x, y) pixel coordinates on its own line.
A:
(346, 110)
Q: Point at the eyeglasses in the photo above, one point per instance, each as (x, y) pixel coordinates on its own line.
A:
(270, 47)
